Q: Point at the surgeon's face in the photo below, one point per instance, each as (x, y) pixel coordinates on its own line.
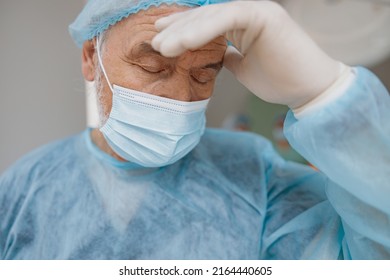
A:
(131, 62)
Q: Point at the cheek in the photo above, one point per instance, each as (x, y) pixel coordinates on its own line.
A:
(202, 91)
(126, 75)
(105, 100)
(134, 77)
(104, 97)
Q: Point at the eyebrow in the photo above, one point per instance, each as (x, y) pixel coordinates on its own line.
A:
(146, 47)
(217, 66)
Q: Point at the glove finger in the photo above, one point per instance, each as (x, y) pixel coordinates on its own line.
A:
(176, 41)
(164, 22)
(192, 29)
(171, 47)
(170, 40)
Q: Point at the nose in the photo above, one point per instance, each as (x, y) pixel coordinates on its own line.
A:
(177, 87)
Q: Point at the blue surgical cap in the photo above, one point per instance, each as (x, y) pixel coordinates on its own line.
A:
(98, 15)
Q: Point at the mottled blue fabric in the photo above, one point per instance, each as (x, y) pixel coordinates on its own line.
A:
(232, 197)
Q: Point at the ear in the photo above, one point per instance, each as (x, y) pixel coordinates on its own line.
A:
(88, 65)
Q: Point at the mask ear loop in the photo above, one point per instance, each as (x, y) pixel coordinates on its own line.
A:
(101, 62)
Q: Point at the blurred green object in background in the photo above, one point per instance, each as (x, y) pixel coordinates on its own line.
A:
(267, 119)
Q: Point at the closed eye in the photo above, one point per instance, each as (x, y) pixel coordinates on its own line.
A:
(153, 69)
(204, 75)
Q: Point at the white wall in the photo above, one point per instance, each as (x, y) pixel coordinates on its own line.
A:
(41, 86)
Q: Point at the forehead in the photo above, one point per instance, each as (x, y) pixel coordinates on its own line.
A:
(131, 38)
(143, 21)
(139, 27)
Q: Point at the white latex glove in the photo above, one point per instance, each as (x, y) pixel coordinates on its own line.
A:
(275, 58)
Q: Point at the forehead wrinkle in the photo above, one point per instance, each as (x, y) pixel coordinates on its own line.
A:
(132, 41)
(136, 26)
(150, 15)
(133, 26)
(164, 9)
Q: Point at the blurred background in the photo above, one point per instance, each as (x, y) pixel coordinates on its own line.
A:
(42, 91)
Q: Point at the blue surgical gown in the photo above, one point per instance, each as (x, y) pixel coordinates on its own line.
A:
(232, 197)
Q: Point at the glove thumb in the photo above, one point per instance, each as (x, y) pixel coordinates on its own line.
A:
(232, 61)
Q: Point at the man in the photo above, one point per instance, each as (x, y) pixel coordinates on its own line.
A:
(151, 183)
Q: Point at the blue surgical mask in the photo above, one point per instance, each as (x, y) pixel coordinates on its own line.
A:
(149, 130)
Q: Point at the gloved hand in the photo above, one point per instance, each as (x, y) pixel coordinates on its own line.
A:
(273, 58)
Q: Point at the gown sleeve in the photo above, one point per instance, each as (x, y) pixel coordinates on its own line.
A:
(348, 140)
